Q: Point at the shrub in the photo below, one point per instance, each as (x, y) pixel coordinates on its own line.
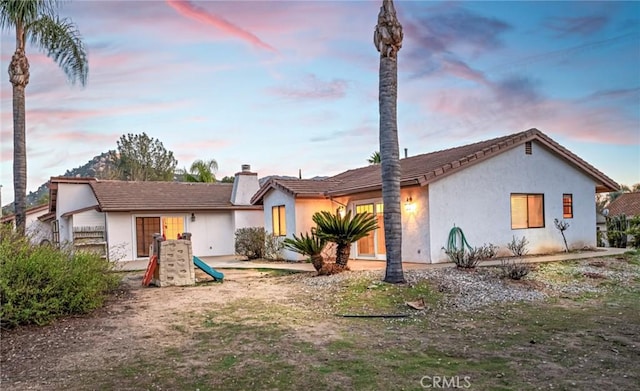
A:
(273, 246)
(518, 246)
(250, 242)
(310, 245)
(41, 283)
(634, 231)
(469, 260)
(515, 270)
(616, 231)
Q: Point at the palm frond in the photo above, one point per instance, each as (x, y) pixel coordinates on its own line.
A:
(344, 230)
(306, 244)
(62, 42)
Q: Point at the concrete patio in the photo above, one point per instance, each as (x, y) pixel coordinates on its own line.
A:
(236, 262)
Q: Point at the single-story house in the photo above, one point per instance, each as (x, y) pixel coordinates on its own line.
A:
(119, 218)
(37, 223)
(494, 190)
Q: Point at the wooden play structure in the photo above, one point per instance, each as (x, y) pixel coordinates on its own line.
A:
(172, 263)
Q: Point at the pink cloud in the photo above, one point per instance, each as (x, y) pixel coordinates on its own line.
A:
(311, 87)
(193, 12)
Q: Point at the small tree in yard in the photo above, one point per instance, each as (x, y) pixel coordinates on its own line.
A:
(562, 226)
(250, 242)
(343, 231)
(310, 245)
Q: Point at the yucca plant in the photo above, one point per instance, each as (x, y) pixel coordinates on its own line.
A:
(343, 231)
(310, 245)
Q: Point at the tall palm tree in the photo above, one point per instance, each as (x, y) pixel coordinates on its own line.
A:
(201, 171)
(388, 41)
(343, 231)
(38, 22)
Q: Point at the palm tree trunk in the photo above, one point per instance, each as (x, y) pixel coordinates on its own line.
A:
(342, 254)
(19, 78)
(388, 40)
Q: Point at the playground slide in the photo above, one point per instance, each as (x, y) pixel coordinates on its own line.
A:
(208, 269)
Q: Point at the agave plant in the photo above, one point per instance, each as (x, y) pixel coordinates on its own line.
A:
(310, 245)
(343, 231)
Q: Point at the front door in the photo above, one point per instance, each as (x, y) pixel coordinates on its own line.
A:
(145, 228)
(372, 245)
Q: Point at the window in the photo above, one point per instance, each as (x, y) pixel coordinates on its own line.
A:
(567, 206)
(278, 220)
(527, 211)
(527, 148)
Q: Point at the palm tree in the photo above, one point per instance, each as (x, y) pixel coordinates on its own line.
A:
(388, 41)
(38, 22)
(374, 158)
(201, 171)
(343, 231)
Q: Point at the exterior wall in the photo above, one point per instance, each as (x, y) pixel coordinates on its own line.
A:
(304, 211)
(89, 218)
(37, 231)
(72, 196)
(274, 198)
(212, 234)
(248, 218)
(477, 199)
(415, 225)
(120, 236)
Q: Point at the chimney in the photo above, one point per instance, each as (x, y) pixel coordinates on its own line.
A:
(245, 185)
(406, 152)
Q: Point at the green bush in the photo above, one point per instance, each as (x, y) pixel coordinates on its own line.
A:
(634, 231)
(41, 283)
(250, 242)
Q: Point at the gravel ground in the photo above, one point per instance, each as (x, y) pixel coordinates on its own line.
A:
(472, 289)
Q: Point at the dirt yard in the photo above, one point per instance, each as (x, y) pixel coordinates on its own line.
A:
(574, 326)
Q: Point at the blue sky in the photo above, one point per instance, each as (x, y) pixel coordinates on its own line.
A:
(285, 85)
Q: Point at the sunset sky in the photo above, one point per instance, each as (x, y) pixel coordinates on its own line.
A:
(288, 85)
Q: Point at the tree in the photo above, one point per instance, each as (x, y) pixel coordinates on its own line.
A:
(228, 179)
(388, 41)
(343, 231)
(143, 158)
(38, 22)
(201, 171)
(374, 158)
(310, 245)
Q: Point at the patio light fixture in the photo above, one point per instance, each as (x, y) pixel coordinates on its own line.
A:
(409, 205)
(193, 217)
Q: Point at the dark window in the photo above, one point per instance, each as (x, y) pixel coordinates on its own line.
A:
(567, 206)
(527, 211)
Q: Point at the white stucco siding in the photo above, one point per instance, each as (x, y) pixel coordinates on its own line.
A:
(478, 200)
(72, 196)
(36, 230)
(415, 225)
(89, 218)
(248, 218)
(120, 236)
(212, 234)
(275, 198)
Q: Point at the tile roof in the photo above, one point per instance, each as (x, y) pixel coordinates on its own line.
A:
(28, 211)
(426, 168)
(627, 203)
(136, 196)
(126, 196)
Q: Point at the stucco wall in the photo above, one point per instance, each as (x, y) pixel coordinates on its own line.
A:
(248, 218)
(275, 198)
(89, 218)
(212, 234)
(477, 199)
(72, 197)
(36, 230)
(415, 225)
(120, 236)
